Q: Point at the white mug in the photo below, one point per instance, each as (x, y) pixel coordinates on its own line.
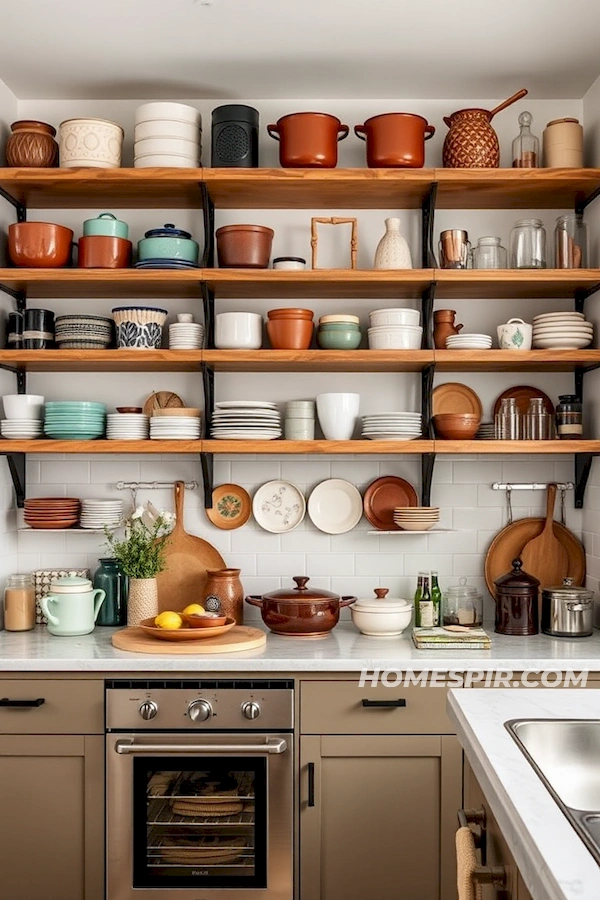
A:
(515, 335)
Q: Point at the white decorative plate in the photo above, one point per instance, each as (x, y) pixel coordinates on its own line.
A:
(335, 506)
(278, 506)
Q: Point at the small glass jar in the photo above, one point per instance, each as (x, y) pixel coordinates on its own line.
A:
(489, 254)
(528, 245)
(508, 421)
(571, 242)
(526, 146)
(462, 604)
(538, 422)
(569, 418)
(19, 603)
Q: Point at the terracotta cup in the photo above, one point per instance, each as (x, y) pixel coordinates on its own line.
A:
(39, 244)
(244, 246)
(102, 252)
(290, 334)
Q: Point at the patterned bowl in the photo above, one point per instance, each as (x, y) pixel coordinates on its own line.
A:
(139, 327)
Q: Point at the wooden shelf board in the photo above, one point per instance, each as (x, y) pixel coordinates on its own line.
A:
(100, 446)
(454, 284)
(164, 188)
(281, 447)
(318, 283)
(103, 360)
(95, 283)
(514, 188)
(410, 533)
(515, 360)
(523, 447)
(317, 360)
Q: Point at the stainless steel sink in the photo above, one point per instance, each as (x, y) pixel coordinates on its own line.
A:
(565, 753)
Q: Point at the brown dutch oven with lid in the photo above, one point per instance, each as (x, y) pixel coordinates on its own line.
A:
(308, 140)
(395, 140)
(300, 611)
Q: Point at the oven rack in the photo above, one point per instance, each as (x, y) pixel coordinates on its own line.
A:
(245, 790)
(248, 863)
(160, 813)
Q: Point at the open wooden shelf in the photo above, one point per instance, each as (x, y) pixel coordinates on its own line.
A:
(282, 447)
(116, 284)
(329, 284)
(318, 360)
(472, 284)
(523, 447)
(102, 360)
(514, 188)
(99, 446)
(515, 360)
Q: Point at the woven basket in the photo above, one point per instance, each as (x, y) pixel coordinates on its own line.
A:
(471, 142)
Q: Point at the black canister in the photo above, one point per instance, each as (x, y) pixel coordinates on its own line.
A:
(234, 136)
(14, 331)
(517, 602)
(38, 332)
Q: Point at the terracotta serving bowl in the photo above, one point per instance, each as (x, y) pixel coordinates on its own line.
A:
(456, 426)
(39, 244)
(290, 334)
(98, 251)
(204, 621)
(244, 246)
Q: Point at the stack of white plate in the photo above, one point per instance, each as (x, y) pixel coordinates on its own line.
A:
(469, 342)
(126, 427)
(167, 134)
(562, 331)
(21, 429)
(186, 336)
(98, 513)
(246, 420)
(175, 428)
(416, 518)
(392, 426)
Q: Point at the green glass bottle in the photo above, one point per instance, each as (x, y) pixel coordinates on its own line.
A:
(418, 595)
(426, 619)
(115, 584)
(436, 597)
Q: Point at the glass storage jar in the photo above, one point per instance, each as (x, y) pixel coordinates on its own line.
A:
(538, 422)
(570, 242)
(569, 418)
(526, 146)
(462, 604)
(508, 421)
(489, 254)
(528, 245)
(19, 603)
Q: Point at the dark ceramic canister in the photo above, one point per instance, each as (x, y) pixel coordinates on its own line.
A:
(517, 602)
(32, 145)
(234, 136)
(115, 584)
(226, 587)
(14, 331)
(38, 330)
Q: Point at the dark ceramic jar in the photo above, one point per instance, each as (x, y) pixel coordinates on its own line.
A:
(517, 602)
(32, 145)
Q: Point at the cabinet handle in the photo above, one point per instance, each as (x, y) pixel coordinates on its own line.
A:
(311, 784)
(22, 704)
(384, 704)
(496, 875)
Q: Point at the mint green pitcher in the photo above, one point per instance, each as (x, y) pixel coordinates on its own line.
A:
(72, 606)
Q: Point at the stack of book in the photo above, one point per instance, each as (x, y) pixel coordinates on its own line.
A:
(449, 639)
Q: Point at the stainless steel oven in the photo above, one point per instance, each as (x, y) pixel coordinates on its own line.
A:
(200, 790)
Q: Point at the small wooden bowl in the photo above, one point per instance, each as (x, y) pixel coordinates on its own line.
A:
(130, 409)
(456, 426)
(204, 621)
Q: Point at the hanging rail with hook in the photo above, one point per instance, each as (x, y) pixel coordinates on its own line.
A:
(531, 486)
(152, 485)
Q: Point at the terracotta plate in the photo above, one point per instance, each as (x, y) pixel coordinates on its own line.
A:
(382, 496)
(231, 507)
(523, 393)
(454, 397)
(184, 634)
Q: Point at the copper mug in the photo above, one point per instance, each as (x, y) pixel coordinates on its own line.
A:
(455, 249)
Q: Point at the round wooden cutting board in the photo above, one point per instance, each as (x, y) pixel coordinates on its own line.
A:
(242, 637)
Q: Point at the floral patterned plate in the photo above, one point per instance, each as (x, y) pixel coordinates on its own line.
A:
(231, 507)
(278, 506)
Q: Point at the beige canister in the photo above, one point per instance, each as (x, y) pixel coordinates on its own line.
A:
(563, 144)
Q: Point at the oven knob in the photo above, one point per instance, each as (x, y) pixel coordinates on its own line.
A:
(200, 710)
(251, 710)
(148, 709)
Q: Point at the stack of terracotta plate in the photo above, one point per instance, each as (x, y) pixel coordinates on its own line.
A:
(416, 518)
(52, 512)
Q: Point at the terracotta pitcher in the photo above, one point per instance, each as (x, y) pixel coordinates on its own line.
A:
(443, 327)
(224, 586)
(471, 142)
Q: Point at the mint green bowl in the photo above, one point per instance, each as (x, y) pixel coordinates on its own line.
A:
(338, 340)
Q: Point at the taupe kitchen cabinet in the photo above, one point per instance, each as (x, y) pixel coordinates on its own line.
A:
(379, 790)
(52, 790)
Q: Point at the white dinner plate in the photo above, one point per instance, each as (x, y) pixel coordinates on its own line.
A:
(245, 404)
(335, 506)
(236, 436)
(393, 437)
(278, 506)
(561, 343)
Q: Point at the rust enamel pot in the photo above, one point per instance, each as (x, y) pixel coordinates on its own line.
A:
(300, 611)
(308, 140)
(395, 140)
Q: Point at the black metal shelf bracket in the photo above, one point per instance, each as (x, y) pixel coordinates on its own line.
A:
(19, 296)
(426, 390)
(208, 383)
(427, 467)
(427, 302)
(20, 207)
(428, 260)
(581, 203)
(208, 217)
(583, 467)
(207, 461)
(16, 467)
(208, 303)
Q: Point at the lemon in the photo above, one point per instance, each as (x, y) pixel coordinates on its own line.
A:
(169, 620)
(194, 609)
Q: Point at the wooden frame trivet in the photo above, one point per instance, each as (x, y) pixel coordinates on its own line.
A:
(333, 220)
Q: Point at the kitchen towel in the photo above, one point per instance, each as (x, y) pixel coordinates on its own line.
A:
(466, 863)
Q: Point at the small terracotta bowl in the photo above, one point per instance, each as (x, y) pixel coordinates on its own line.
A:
(244, 246)
(98, 251)
(456, 426)
(39, 244)
(204, 621)
(291, 313)
(290, 334)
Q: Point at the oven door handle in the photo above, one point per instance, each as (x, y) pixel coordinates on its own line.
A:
(274, 746)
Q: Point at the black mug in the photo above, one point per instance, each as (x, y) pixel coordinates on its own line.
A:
(38, 331)
(14, 331)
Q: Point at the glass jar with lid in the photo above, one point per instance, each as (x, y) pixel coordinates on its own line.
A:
(538, 421)
(528, 245)
(19, 603)
(489, 254)
(570, 242)
(508, 424)
(462, 604)
(569, 418)
(526, 146)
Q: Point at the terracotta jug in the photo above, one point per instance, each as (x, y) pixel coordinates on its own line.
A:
(443, 327)
(471, 142)
(225, 594)
(32, 145)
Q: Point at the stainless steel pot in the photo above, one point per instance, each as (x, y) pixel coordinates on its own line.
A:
(567, 610)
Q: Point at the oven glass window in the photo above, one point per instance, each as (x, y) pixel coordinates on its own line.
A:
(199, 822)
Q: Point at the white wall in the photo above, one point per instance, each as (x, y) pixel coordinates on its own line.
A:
(350, 563)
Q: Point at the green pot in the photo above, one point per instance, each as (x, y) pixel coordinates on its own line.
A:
(338, 340)
(106, 225)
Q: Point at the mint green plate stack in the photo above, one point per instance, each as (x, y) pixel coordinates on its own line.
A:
(74, 420)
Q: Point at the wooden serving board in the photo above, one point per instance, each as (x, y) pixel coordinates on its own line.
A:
(242, 637)
(188, 557)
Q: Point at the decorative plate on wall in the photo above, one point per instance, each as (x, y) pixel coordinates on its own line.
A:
(231, 507)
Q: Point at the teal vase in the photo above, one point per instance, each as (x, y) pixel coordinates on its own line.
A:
(115, 584)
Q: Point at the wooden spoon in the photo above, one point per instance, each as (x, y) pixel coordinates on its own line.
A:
(544, 556)
(518, 96)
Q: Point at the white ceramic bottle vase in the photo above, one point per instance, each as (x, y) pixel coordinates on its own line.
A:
(392, 250)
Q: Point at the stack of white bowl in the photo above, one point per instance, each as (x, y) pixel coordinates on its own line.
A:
(469, 342)
(167, 134)
(562, 331)
(127, 427)
(300, 420)
(395, 329)
(416, 518)
(24, 415)
(96, 514)
(185, 334)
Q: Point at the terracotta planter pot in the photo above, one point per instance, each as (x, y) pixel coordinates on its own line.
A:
(291, 313)
(39, 244)
(32, 145)
(102, 252)
(244, 246)
(308, 140)
(290, 334)
(300, 612)
(395, 140)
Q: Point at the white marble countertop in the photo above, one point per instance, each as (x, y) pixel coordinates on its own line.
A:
(344, 650)
(553, 860)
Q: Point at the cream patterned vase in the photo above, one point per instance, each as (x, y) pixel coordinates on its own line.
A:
(392, 250)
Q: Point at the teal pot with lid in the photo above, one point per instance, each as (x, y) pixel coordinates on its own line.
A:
(106, 225)
(168, 242)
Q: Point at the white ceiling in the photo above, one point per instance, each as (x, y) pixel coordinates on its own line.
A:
(120, 49)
